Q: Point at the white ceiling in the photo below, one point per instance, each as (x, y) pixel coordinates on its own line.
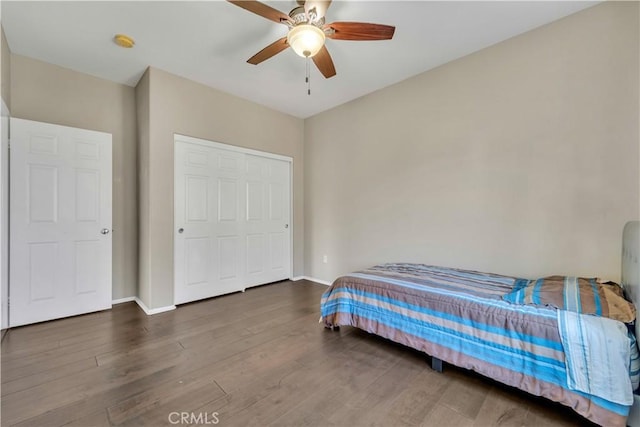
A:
(210, 41)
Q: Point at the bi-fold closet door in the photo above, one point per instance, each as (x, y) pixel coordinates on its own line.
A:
(232, 219)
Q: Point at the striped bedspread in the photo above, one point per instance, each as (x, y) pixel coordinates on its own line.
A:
(459, 316)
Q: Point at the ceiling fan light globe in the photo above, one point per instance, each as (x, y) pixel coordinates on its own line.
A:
(306, 40)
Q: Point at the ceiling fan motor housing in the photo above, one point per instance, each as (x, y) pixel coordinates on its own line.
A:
(298, 15)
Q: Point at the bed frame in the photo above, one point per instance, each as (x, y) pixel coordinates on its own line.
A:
(631, 284)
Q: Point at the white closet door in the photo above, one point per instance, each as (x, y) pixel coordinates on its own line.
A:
(232, 225)
(228, 228)
(60, 222)
(268, 246)
(207, 194)
(194, 199)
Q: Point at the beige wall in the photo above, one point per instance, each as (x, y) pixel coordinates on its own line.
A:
(48, 93)
(178, 105)
(5, 66)
(143, 150)
(520, 159)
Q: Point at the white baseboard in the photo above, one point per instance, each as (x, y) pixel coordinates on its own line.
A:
(313, 279)
(295, 279)
(152, 311)
(147, 310)
(121, 300)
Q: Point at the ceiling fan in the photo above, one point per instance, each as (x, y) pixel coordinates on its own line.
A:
(308, 31)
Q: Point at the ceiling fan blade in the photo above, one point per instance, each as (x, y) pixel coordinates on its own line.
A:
(262, 9)
(321, 7)
(323, 61)
(269, 51)
(360, 31)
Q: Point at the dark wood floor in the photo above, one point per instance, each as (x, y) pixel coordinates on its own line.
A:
(255, 358)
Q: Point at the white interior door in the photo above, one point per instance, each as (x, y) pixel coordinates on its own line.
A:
(232, 219)
(60, 222)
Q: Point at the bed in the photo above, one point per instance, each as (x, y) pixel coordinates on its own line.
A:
(480, 321)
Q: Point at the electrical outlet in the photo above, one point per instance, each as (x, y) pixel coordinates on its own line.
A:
(325, 259)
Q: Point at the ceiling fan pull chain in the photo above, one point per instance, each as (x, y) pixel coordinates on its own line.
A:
(308, 78)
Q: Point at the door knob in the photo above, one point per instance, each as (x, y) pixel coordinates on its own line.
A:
(286, 226)
(104, 231)
(180, 230)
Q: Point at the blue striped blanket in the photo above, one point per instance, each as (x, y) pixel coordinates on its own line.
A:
(459, 316)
